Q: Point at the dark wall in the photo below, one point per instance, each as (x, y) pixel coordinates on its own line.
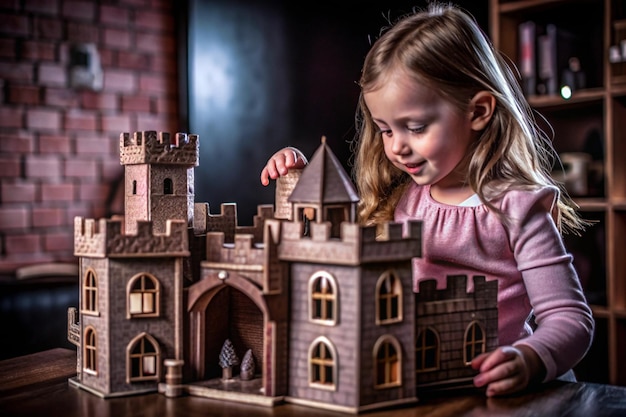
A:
(264, 75)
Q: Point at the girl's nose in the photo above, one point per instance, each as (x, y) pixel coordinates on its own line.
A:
(399, 145)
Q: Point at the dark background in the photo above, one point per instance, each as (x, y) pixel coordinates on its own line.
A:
(266, 74)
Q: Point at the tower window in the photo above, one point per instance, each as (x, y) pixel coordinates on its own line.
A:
(90, 351)
(143, 359)
(134, 187)
(168, 186)
(323, 369)
(387, 356)
(143, 296)
(90, 292)
(323, 298)
(389, 299)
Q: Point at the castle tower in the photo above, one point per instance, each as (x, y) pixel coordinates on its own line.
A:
(132, 272)
(159, 177)
(324, 193)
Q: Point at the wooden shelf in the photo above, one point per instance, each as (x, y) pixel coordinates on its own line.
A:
(600, 109)
(580, 96)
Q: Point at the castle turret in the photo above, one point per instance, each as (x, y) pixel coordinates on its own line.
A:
(159, 178)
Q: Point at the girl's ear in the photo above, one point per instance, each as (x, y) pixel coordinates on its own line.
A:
(481, 107)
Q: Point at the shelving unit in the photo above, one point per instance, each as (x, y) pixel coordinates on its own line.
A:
(593, 121)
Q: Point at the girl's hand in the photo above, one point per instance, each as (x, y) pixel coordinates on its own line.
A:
(281, 162)
(507, 370)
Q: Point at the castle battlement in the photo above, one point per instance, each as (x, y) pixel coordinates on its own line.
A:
(105, 237)
(150, 147)
(358, 244)
(226, 221)
(484, 292)
(242, 252)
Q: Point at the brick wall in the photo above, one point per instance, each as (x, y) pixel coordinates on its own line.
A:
(59, 155)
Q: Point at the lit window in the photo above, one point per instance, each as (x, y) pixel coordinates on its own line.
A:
(143, 293)
(143, 357)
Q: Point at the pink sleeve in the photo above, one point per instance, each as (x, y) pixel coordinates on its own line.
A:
(564, 320)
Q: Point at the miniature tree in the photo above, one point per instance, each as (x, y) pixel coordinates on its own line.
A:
(247, 366)
(228, 359)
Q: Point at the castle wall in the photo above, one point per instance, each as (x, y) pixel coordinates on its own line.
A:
(105, 238)
(354, 337)
(344, 336)
(403, 332)
(115, 330)
(357, 244)
(150, 147)
(226, 221)
(100, 322)
(449, 311)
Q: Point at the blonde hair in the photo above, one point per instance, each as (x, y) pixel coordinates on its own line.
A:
(444, 48)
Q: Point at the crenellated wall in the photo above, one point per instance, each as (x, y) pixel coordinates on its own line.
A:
(358, 244)
(105, 238)
(150, 147)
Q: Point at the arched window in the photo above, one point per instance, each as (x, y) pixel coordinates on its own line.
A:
(90, 292)
(134, 187)
(322, 366)
(388, 299)
(323, 298)
(388, 361)
(427, 350)
(168, 186)
(143, 296)
(143, 359)
(475, 341)
(90, 351)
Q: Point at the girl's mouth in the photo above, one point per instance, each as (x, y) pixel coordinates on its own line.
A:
(414, 169)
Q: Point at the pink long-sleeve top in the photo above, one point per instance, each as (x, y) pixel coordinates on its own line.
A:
(527, 257)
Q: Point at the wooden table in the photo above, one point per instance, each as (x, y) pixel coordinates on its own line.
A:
(36, 385)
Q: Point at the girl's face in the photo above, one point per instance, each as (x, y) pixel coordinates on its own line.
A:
(423, 134)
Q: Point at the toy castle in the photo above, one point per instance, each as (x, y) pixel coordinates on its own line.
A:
(304, 306)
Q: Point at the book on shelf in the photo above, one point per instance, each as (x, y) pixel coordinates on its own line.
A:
(527, 57)
(544, 57)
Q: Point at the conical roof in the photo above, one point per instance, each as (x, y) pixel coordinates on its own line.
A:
(324, 180)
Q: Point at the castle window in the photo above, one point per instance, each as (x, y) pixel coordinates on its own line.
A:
(90, 293)
(143, 359)
(323, 298)
(134, 187)
(387, 363)
(335, 215)
(388, 299)
(307, 214)
(168, 186)
(475, 342)
(427, 350)
(322, 370)
(90, 351)
(143, 296)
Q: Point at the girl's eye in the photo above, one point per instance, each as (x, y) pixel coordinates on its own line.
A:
(385, 132)
(418, 129)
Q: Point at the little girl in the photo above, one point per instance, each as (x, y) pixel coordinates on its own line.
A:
(446, 136)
